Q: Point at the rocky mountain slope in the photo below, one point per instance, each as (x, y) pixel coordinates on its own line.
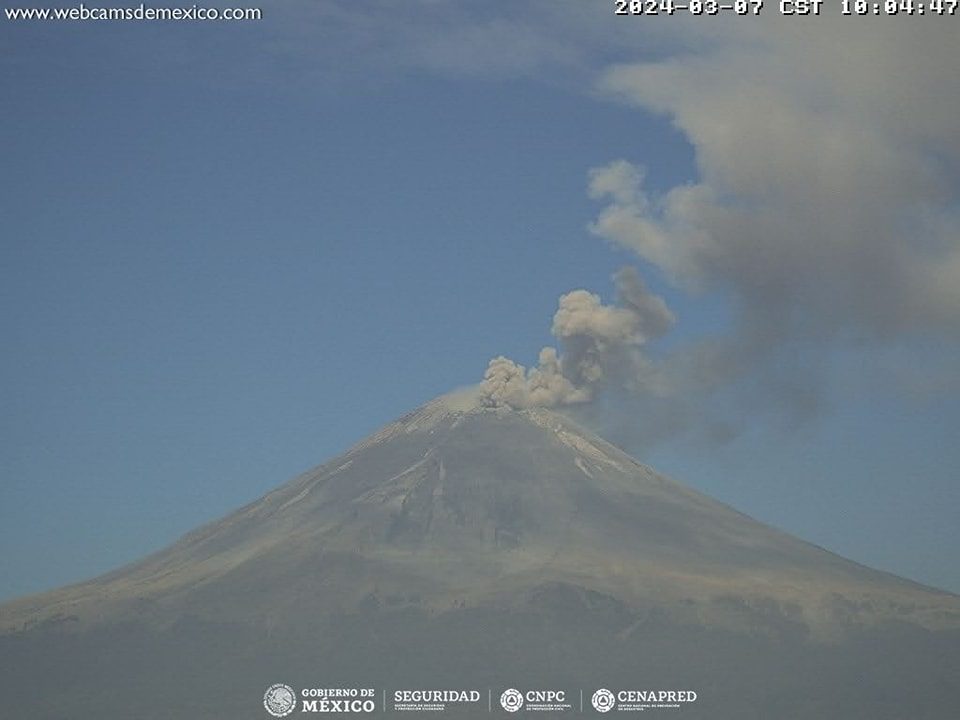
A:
(473, 546)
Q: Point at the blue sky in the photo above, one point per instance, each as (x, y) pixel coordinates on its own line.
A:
(229, 252)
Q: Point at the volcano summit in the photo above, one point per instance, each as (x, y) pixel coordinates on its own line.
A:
(466, 546)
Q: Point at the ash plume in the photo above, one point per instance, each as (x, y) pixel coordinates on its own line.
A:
(596, 342)
(821, 214)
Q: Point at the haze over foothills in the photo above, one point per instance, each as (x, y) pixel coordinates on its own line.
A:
(727, 244)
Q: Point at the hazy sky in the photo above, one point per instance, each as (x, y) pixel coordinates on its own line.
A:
(229, 251)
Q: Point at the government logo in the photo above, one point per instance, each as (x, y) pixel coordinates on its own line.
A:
(280, 700)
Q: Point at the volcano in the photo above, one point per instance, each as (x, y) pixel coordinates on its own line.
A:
(464, 546)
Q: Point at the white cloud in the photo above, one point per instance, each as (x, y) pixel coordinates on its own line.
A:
(828, 159)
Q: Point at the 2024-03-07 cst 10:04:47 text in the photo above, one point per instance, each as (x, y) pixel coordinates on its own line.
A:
(786, 7)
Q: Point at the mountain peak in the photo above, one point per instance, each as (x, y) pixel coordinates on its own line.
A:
(516, 534)
(457, 502)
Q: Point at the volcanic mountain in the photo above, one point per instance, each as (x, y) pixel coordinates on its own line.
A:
(466, 546)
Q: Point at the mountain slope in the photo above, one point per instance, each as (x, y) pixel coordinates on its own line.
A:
(467, 505)
(460, 526)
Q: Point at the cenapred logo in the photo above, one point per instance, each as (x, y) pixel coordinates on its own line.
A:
(603, 700)
(511, 700)
(280, 700)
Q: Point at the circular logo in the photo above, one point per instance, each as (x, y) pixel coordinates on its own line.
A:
(280, 700)
(603, 700)
(511, 700)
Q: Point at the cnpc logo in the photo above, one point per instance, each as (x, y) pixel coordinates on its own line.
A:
(513, 700)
